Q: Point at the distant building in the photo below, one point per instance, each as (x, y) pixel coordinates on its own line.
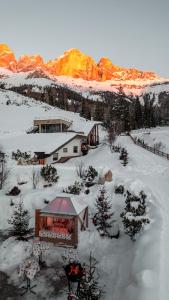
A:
(56, 138)
(51, 124)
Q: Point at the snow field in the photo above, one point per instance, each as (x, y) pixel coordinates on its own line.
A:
(128, 271)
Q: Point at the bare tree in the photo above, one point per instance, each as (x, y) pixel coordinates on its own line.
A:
(80, 170)
(35, 178)
(3, 169)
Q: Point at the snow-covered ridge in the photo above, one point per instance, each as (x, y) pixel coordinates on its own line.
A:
(87, 88)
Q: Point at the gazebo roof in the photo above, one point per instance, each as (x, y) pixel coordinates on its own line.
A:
(64, 206)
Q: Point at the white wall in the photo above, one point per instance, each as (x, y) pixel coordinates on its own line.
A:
(75, 142)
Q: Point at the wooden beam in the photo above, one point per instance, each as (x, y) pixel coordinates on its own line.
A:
(97, 126)
(37, 222)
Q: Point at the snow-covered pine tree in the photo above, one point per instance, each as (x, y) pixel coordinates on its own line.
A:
(125, 158)
(102, 218)
(89, 289)
(122, 153)
(19, 221)
(74, 188)
(89, 176)
(49, 173)
(134, 215)
(138, 118)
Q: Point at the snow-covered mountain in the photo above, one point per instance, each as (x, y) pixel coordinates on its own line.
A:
(75, 82)
(127, 270)
(72, 63)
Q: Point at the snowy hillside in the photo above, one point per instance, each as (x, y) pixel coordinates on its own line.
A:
(17, 116)
(158, 137)
(127, 270)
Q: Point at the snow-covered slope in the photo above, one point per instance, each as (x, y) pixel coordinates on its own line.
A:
(158, 137)
(128, 271)
(17, 113)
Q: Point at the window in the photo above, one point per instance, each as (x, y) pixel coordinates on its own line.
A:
(75, 149)
(55, 156)
(64, 150)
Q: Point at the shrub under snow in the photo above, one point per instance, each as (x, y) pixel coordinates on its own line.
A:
(49, 173)
(134, 215)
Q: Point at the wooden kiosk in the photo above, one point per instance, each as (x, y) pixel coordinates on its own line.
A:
(61, 221)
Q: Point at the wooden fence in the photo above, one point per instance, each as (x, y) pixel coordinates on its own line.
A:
(151, 149)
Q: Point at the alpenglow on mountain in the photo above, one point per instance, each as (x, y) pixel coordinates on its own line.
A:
(72, 63)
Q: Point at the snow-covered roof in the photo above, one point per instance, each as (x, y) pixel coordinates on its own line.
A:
(37, 142)
(78, 124)
(64, 206)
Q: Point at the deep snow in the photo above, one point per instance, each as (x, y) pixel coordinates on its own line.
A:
(128, 271)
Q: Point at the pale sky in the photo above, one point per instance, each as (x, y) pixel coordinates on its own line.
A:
(132, 33)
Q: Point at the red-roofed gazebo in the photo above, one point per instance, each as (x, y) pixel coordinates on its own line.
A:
(61, 220)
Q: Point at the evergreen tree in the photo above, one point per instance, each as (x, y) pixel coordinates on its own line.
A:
(74, 188)
(124, 156)
(19, 221)
(102, 218)
(138, 114)
(89, 289)
(134, 214)
(99, 111)
(147, 111)
(85, 110)
(49, 173)
(89, 176)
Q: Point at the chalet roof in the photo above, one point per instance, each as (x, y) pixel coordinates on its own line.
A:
(37, 142)
(78, 124)
(64, 206)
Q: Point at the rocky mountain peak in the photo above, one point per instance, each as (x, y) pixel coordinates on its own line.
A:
(73, 63)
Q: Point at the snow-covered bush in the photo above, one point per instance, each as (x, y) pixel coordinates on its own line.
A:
(124, 156)
(18, 154)
(19, 221)
(90, 176)
(74, 188)
(119, 189)
(159, 146)
(49, 173)
(134, 215)
(116, 148)
(15, 191)
(103, 217)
